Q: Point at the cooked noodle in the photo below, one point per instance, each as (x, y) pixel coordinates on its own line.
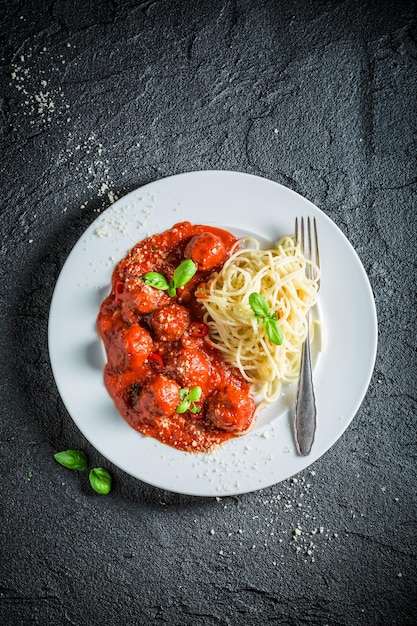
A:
(279, 276)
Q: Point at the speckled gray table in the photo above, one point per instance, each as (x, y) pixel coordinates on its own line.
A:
(99, 98)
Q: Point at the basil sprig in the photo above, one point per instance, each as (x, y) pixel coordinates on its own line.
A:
(72, 459)
(261, 310)
(188, 399)
(182, 274)
(100, 480)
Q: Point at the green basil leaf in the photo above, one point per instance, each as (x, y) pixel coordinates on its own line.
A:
(184, 272)
(72, 459)
(155, 280)
(195, 394)
(195, 408)
(273, 331)
(183, 406)
(100, 480)
(258, 304)
(171, 288)
(183, 393)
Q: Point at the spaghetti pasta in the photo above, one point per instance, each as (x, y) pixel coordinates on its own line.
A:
(279, 275)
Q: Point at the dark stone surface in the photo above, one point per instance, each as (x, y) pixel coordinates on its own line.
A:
(98, 98)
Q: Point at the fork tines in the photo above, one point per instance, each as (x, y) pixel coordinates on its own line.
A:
(300, 238)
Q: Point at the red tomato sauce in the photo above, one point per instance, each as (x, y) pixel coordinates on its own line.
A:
(158, 349)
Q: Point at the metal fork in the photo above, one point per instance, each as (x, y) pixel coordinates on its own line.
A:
(305, 413)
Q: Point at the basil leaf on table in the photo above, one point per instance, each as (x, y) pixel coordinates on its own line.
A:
(72, 459)
(100, 480)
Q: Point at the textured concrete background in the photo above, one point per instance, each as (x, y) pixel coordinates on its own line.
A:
(100, 97)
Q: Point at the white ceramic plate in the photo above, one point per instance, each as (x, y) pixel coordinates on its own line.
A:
(243, 204)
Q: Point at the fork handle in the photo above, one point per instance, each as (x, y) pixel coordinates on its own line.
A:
(305, 414)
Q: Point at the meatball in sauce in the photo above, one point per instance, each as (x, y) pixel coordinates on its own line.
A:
(158, 348)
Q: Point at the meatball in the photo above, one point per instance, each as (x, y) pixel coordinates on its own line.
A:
(190, 366)
(129, 347)
(230, 409)
(170, 322)
(207, 250)
(158, 397)
(138, 298)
